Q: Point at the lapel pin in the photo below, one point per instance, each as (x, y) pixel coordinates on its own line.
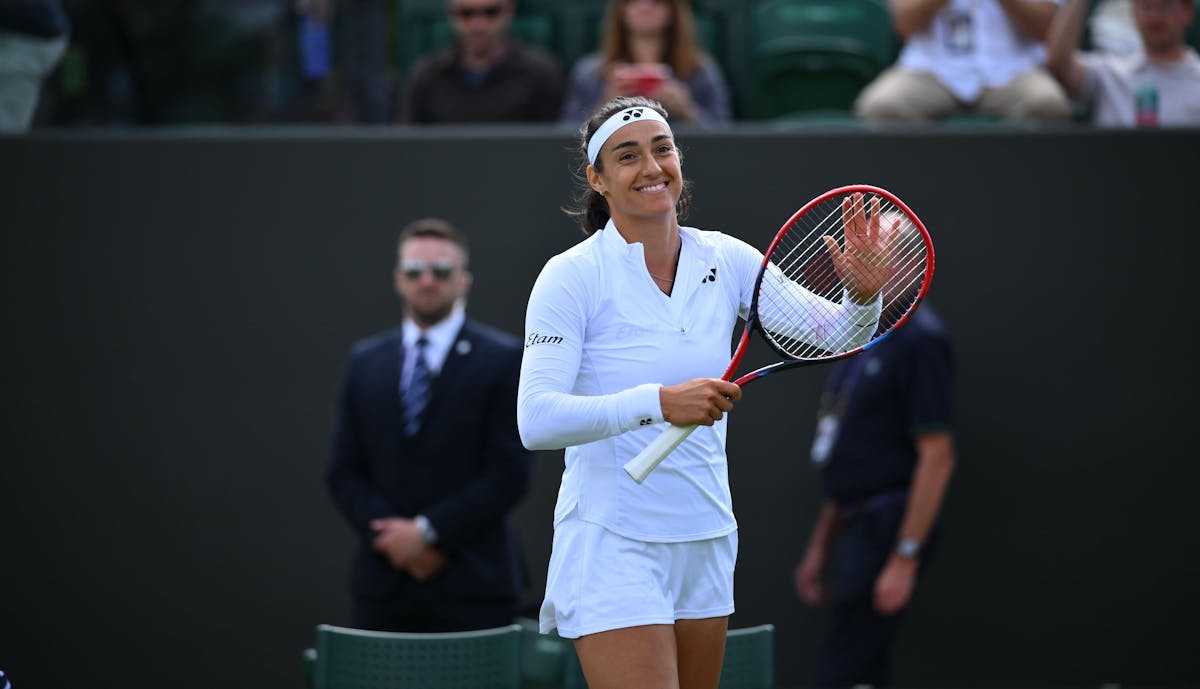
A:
(463, 347)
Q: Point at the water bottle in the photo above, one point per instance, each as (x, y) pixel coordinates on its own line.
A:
(1145, 106)
(314, 46)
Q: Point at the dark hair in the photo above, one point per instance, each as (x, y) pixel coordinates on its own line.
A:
(591, 208)
(682, 51)
(436, 228)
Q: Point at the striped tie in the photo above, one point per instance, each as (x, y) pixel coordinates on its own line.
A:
(417, 394)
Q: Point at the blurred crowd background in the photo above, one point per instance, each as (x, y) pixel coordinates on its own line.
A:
(179, 62)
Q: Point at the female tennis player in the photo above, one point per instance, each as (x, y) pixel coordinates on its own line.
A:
(623, 332)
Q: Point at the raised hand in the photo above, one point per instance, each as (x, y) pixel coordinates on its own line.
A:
(863, 265)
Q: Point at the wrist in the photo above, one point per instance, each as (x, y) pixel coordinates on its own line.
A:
(425, 528)
(907, 549)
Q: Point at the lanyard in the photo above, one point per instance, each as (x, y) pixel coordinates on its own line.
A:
(837, 392)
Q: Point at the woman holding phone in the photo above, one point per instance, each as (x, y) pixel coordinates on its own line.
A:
(649, 48)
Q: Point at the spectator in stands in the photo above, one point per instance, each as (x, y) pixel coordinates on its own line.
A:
(486, 76)
(33, 37)
(980, 56)
(1157, 85)
(649, 48)
(361, 46)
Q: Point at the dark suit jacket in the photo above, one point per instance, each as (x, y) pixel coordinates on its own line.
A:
(464, 470)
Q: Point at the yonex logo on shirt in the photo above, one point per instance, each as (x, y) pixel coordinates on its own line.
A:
(535, 338)
(711, 277)
(647, 422)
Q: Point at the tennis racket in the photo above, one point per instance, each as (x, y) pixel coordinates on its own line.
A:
(853, 241)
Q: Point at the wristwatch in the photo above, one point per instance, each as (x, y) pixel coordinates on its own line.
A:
(427, 531)
(907, 548)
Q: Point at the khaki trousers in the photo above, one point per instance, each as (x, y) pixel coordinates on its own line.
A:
(899, 94)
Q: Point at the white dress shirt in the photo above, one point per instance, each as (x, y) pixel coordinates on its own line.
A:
(440, 338)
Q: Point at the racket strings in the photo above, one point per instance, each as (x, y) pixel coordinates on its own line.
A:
(800, 300)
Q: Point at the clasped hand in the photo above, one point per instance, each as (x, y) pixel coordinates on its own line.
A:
(399, 540)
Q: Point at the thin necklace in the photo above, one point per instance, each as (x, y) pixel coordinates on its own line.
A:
(672, 280)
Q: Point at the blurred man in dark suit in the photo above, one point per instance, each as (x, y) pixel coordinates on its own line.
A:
(426, 463)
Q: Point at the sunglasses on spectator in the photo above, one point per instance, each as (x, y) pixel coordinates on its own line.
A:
(489, 11)
(413, 270)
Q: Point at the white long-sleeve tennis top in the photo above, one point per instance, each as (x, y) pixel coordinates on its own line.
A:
(600, 340)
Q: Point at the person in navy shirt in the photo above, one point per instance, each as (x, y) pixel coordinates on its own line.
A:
(885, 452)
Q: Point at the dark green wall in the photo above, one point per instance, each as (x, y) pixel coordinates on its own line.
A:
(178, 305)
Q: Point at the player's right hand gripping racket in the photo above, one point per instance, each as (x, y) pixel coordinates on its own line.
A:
(842, 242)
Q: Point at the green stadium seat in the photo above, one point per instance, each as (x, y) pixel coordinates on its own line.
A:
(573, 677)
(722, 26)
(824, 119)
(708, 33)
(816, 54)
(1193, 34)
(749, 658)
(308, 663)
(578, 24)
(358, 659)
(543, 657)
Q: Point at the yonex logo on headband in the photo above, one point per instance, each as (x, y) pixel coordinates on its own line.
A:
(618, 120)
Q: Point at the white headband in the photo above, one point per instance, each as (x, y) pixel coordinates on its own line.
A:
(639, 113)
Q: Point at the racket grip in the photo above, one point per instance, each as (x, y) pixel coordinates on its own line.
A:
(640, 466)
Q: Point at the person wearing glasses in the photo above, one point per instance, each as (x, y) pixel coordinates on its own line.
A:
(425, 461)
(1158, 85)
(486, 75)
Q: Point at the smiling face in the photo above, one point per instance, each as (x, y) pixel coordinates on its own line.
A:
(638, 172)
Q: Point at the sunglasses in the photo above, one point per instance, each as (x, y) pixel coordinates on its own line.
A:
(489, 11)
(413, 270)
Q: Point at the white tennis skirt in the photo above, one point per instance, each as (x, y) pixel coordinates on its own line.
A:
(599, 581)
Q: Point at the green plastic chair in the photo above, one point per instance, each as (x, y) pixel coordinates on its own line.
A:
(749, 658)
(308, 663)
(543, 657)
(359, 659)
(816, 54)
(1193, 34)
(577, 25)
